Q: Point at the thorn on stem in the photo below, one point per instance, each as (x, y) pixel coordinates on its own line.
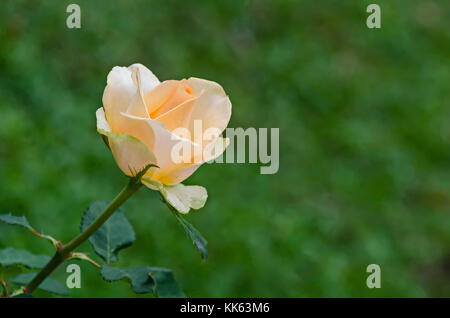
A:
(137, 175)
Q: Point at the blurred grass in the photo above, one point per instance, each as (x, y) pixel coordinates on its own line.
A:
(364, 140)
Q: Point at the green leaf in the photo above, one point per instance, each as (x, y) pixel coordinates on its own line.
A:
(50, 285)
(6, 272)
(15, 220)
(113, 236)
(145, 279)
(196, 237)
(141, 282)
(11, 256)
(23, 222)
(166, 285)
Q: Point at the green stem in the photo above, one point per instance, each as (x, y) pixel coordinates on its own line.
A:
(64, 252)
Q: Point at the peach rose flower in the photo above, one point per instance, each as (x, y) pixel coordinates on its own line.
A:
(141, 118)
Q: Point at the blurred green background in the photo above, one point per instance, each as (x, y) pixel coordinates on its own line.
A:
(364, 140)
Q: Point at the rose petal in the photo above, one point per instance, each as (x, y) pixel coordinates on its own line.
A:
(119, 94)
(159, 140)
(215, 149)
(178, 117)
(179, 174)
(212, 107)
(152, 184)
(130, 153)
(138, 107)
(168, 95)
(102, 124)
(183, 198)
(147, 79)
(182, 93)
(155, 98)
(210, 152)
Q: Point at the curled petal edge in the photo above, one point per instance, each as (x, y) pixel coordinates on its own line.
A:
(181, 197)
